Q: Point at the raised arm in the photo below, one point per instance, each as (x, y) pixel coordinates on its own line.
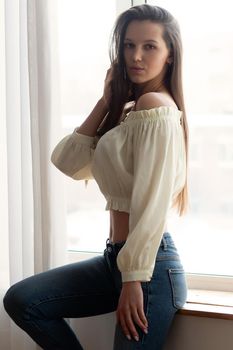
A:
(90, 125)
(73, 154)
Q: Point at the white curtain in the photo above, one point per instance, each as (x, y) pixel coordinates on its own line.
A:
(32, 207)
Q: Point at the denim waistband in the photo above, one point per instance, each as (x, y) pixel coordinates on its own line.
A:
(114, 248)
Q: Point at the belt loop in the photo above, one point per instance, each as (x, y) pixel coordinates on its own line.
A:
(109, 246)
(164, 244)
(113, 248)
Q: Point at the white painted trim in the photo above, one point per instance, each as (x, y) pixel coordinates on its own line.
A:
(122, 5)
(138, 2)
(210, 282)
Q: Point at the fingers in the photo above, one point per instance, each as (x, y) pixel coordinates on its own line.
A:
(127, 325)
(130, 311)
(107, 93)
(128, 318)
(142, 318)
(110, 70)
(109, 73)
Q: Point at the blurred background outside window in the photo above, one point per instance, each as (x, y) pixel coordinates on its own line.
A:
(204, 237)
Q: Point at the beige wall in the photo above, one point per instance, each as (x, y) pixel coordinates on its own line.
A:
(187, 333)
(200, 333)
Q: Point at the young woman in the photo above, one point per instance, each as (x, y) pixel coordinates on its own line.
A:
(134, 143)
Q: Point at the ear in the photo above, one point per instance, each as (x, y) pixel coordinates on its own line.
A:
(170, 60)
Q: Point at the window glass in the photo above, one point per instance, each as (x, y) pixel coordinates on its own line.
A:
(84, 32)
(205, 236)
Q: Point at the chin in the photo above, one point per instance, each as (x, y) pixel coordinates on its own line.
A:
(138, 80)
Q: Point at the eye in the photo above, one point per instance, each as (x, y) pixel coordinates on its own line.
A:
(150, 47)
(128, 45)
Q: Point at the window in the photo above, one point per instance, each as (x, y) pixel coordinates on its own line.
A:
(205, 236)
(225, 150)
(84, 32)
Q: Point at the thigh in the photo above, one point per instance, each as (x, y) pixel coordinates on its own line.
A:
(74, 290)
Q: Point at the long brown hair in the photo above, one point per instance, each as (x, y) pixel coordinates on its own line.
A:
(123, 90)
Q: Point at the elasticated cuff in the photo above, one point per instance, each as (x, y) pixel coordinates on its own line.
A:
(83, 139)
(140, 275)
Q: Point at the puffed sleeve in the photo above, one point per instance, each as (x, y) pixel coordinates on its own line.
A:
(156, 146)
(73, 155)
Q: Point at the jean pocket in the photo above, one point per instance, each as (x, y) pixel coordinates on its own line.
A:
(179, 287)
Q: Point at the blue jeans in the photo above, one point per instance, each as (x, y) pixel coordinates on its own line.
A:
(40, 303)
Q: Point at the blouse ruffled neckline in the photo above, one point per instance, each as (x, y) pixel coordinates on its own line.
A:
(152, 113)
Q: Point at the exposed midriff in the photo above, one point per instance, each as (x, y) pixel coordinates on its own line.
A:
(119, 226)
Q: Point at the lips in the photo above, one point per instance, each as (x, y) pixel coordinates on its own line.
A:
(136, 70)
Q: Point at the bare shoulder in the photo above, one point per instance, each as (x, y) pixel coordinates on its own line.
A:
(153, 100)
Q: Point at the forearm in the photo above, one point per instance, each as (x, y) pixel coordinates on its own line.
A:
(90, 125)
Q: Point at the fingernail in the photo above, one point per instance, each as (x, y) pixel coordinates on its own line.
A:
(146, 331)
(136, 338)
(128, 337)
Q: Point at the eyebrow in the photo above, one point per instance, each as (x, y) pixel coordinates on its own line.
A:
(145, 41)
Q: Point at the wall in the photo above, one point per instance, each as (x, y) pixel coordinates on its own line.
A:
(186, 333)
(200, 333)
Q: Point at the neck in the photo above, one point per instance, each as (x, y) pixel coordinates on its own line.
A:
(153, 85)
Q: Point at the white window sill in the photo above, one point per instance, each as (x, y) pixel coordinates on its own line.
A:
(206, 303)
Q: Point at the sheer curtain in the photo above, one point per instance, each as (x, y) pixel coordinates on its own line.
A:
(32, 207)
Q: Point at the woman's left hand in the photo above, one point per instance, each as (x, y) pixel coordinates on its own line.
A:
(130, 309)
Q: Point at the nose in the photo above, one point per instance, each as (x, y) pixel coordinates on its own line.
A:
(137, 54)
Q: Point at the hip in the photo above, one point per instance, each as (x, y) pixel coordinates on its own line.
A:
(167, 259)
(168, 277)
(167, 249)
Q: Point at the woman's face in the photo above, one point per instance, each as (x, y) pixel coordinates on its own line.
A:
(145, 51)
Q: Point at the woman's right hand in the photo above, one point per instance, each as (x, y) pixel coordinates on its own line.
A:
(130, 310)
(107, 93)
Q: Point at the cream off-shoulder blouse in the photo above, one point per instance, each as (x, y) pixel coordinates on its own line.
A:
(140, 168)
